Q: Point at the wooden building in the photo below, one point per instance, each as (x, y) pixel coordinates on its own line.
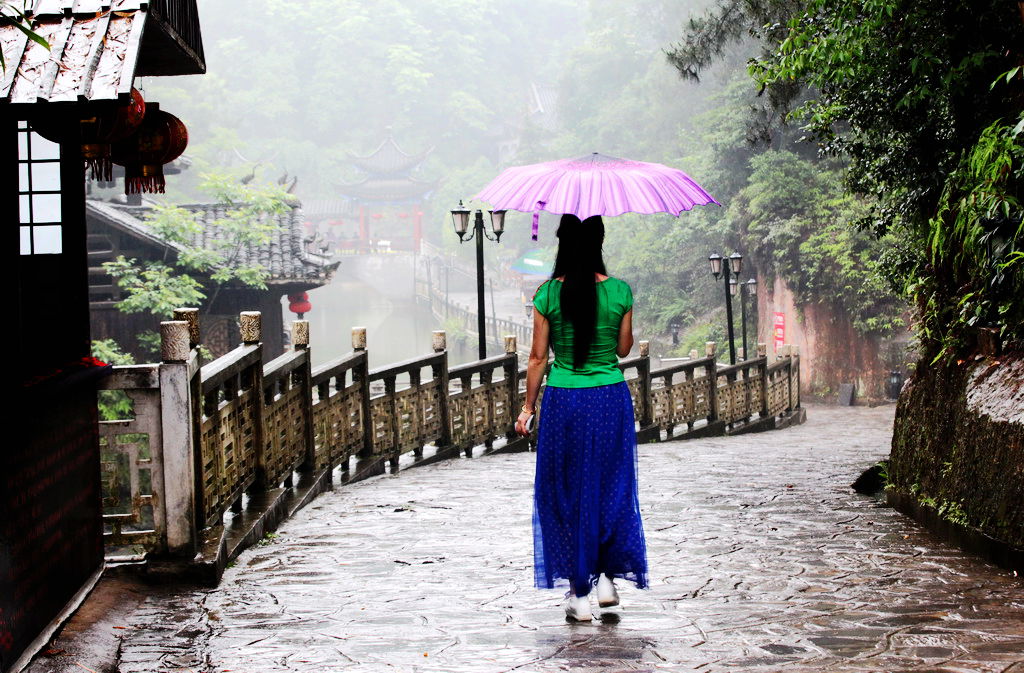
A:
(387, 202)
(293, 267)
(51, 545)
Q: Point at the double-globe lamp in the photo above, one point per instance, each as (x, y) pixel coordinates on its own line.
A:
(731, 271)
(460, 220)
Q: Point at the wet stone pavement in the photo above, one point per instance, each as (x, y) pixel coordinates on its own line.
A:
(762, 559)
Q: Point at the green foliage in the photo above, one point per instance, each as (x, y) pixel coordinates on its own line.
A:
(268, 539)
(455, 333)
(883, 473)
(978, 236)
(794, 216)
(159, 287)
(153, 286)
(11, 14)
(902, 90)
(108, 351)
(113, 404)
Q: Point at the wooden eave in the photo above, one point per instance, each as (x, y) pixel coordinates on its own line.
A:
(96, 49)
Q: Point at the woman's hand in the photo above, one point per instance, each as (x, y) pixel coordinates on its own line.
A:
(521, 423)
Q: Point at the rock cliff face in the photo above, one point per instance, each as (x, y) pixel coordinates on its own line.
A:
(831, 350)
(958, 444)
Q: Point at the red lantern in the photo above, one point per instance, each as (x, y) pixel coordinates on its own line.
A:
(299, 303)
(160, 139)
(96, 132)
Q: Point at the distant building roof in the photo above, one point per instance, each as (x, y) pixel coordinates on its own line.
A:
(395, 191)
(389, 159)
(285, 257)
(321, 209)
(97, 47)
(543, 106)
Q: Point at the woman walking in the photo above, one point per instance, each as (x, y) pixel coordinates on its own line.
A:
(586, 519)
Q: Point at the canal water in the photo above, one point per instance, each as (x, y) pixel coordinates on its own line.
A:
(377, 295)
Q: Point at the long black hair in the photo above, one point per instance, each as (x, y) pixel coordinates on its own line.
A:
(578, 259)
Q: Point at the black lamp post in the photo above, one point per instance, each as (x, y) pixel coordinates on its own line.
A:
(748, 288)
(460, 218)
(674, 326)
(895, 384)
(732, 268)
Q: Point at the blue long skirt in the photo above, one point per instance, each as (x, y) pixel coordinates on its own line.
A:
(586, 515)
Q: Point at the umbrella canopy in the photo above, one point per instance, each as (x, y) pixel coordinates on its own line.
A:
(595, 185)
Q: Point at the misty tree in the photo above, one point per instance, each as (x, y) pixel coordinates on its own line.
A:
(195, 274)
(923, 100)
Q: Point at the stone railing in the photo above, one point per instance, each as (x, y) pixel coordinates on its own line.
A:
(206, 443)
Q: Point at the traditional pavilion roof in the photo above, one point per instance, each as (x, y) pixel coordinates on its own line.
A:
(543, 106)
(97, 48)
(389, 159)
(394, 191)
(285, 257)
(387, 176)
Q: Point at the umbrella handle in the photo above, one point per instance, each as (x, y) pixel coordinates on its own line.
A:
(535, 229)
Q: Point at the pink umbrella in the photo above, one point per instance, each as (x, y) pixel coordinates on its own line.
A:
(594, 185)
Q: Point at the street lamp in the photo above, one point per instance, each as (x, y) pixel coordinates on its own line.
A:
(460, 220)
(674, 326)
(749, 288)
(733, 268)
(895, 384)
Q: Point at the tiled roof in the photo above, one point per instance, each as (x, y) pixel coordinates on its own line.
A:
(543, 107)
(285, 256)
(92, 56)
(96, 48)
(389, 159)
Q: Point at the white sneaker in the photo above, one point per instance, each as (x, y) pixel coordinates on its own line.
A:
(607, 596)
(578, 608)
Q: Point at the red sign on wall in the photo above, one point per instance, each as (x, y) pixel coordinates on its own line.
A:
(779, 330)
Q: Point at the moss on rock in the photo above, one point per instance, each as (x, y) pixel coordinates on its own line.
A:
(963, 457)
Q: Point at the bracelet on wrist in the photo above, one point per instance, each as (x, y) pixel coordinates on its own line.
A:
(527, 410)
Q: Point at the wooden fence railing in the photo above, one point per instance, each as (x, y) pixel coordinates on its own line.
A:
(239, 426)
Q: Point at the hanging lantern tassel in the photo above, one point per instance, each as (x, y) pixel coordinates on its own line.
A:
(149, 181)
(97, 160)
(96, 132)
(160, 139)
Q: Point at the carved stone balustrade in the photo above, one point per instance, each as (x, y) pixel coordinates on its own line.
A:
(205, 443)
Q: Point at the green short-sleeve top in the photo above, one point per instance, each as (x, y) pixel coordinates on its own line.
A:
(614, 300)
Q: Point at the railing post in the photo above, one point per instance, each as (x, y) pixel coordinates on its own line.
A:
(440, 345)
(644, 372)
(512, 383)
(794, 352)
(363, 374)
(251, 327)
(190, 316)
(762, 355)
(195, 385)
(787, 352)
(300, 342)
(711, 376)
(693, 353)
(176, 414)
